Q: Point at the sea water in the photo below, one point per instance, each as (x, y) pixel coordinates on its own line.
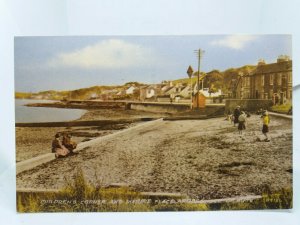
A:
(25, 114)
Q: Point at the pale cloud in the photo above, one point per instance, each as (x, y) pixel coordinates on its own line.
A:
(108, 54)
(236, 42)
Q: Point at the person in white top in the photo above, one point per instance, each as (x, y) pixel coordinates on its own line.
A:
(242, 122)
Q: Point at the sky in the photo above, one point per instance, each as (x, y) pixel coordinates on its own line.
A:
(72, 62)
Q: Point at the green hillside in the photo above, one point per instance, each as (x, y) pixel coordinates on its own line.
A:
(80, 94)
(214, 80)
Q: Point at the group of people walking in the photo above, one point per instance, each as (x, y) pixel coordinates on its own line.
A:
(63, 147)
(239, 117)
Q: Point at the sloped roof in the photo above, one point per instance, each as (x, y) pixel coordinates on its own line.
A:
(168, 89)
(274, 67)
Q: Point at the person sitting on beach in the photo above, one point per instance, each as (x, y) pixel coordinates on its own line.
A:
(266, 120)
(242, 122)
(68, 143)
(58, 148)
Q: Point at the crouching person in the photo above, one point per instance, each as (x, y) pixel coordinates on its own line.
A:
(58, 148)
(68, 143)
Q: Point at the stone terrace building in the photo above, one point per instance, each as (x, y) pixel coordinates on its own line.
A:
(269, 81)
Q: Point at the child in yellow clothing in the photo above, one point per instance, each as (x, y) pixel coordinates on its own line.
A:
(266, 121)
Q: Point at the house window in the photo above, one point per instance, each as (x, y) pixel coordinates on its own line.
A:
(246, 82)
(290, 77)
(279, 79)
(283, 79)
(262, 80)
(271, 79)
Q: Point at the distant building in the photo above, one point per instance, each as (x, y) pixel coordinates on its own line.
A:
(268, 81)
(165, 89)
(186, 92)
(175, 90)
(93, 96)
(150, 91)
(121, 92)
(130, 90)
(208, 94)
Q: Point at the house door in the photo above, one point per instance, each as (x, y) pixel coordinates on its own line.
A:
(266, 96)
(281, 98)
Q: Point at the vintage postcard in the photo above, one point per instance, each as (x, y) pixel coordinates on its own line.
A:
(153, 123)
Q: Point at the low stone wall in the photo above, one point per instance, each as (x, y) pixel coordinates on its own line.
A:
(45, 158)
(156, 107)
(178, 108)
(247, 104)
(79, 123)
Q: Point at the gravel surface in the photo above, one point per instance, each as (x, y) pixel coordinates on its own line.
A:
(203, 159)
(31, 142)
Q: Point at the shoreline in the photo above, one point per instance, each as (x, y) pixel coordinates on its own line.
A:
(34, 139)
(204, 159)
(78, 104)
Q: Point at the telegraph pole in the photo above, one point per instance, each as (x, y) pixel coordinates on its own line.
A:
(199, 54)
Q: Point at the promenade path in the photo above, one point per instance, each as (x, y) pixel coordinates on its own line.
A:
(204, 159)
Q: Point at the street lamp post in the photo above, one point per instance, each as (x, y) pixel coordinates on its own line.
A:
(190, 72)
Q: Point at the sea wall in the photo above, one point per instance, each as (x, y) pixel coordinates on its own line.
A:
(177, 108)
(159, 107)
(247, 104)
(77, 104)
(81, 123)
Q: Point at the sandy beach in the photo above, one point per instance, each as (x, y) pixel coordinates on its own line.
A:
(203, 159)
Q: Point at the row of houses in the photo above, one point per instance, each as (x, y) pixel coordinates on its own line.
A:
(165, 91)
(169, 92)
(268, 81)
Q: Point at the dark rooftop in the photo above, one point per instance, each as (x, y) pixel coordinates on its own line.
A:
(274, 67)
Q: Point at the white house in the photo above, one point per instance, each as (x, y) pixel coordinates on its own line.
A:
(175, 90)
(150, 91)
(93, 95)
(206, 93)
(130, 90)
(186, 92)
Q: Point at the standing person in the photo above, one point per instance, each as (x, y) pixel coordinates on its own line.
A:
(236, 114)
(266, 120)
(290, 112)
(242, 122)
(58, 148)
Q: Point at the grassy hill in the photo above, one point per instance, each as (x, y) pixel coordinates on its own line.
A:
(80, 94)
(214, 80)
